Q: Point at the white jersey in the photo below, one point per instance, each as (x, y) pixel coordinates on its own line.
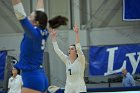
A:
(75, 70)
(15, 84)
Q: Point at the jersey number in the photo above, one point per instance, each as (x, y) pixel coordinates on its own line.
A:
(43, 44)
(69, 71)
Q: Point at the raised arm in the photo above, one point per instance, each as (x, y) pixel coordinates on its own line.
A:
(14, 2)
(40, 5)
(78, 46)
(62, 56)
(18, 9)
(76, 30)
(22, 17)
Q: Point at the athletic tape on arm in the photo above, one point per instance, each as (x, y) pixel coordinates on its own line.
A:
(41, 9)
(19, 11)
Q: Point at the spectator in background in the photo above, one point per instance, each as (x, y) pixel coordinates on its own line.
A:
(128, 80)
(15, 82)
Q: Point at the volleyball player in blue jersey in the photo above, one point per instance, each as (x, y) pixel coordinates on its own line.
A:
(33, 45)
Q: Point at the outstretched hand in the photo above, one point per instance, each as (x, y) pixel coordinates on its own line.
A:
(53, 33)
(76, 28)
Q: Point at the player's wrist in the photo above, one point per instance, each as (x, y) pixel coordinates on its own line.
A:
(19, 11)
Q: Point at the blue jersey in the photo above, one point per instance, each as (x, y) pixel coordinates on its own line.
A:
(32, 46)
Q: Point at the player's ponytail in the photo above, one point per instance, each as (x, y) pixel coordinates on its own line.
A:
(55, 22)
(58, 21)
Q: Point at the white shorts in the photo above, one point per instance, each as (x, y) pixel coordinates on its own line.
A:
(75, 89)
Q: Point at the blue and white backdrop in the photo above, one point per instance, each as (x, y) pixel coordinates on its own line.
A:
(107, 60)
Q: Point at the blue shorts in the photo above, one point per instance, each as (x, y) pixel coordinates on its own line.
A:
(35, 79)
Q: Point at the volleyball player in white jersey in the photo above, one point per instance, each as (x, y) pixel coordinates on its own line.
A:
(75, 64)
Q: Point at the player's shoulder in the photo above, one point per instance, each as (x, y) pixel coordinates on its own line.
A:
(11, 78)
(19, 76)
(45, 31)
(37, 28)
